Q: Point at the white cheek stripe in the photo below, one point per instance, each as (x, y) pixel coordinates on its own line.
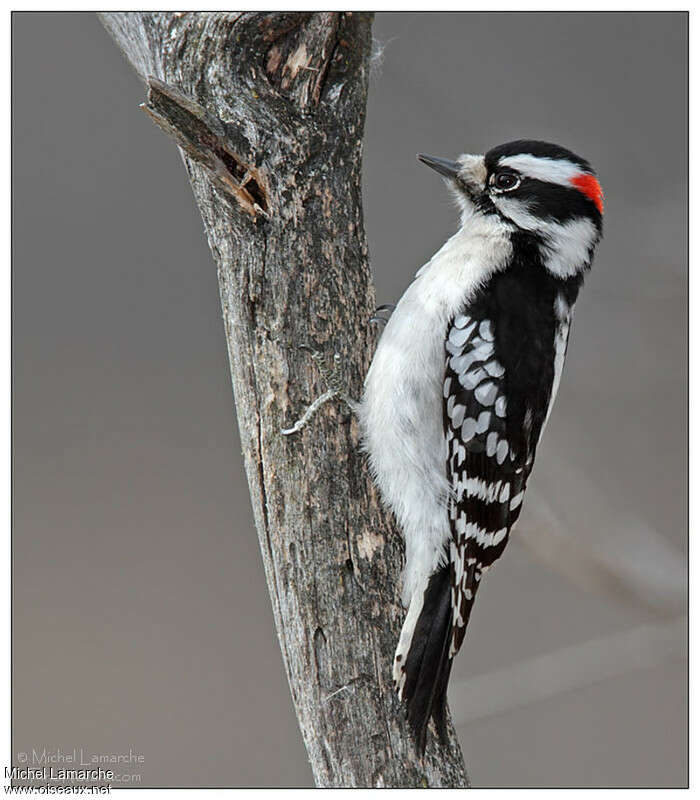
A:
(553, 170)
(567, 245)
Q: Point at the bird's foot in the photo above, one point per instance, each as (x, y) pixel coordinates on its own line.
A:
(376, 318)
(336, 390)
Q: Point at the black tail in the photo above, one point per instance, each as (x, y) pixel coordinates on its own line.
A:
(428, 663)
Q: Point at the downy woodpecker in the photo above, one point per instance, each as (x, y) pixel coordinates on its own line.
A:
(462, 384)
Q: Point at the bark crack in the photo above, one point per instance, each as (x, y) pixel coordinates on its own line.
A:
(203, 138)
(326, 69)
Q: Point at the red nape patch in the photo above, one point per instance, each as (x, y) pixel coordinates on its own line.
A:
(588, 184)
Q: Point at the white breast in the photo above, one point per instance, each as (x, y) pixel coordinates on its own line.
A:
(401, 409)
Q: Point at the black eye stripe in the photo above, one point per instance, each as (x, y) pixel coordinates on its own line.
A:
(550, 201)
(557, 202)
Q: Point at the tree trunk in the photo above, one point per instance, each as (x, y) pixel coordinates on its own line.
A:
(269, 109)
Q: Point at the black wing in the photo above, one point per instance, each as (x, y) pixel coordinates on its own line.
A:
(489, 457)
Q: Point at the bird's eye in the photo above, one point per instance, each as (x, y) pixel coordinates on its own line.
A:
(506, 181)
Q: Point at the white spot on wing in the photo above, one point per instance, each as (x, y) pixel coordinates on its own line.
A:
(489, 492)
(486, 393)
(461, 525)
(451, 348)
(482, 350)
(494, 369)
(459, 568)
(483, 421)
(491, 444)
(461, 363)
(516, 501)
(461, 455)
(486, 330)
(499, 536)
(468, 429)
(485, 538)
(470, 379)
(457, 415)
(458, 337)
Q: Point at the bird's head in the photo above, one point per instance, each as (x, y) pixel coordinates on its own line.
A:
(535, 188)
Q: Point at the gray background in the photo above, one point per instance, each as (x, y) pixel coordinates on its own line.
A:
(141, 616)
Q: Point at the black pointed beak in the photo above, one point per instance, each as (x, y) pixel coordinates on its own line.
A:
(442, 165)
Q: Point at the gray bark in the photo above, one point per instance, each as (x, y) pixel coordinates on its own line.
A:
(268, 109)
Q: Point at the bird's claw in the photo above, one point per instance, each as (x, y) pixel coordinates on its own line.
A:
(335, 389)
(376, 318)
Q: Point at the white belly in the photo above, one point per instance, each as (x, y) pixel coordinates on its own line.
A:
(401, 409)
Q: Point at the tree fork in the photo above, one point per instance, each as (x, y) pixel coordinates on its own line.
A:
(268, 110)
